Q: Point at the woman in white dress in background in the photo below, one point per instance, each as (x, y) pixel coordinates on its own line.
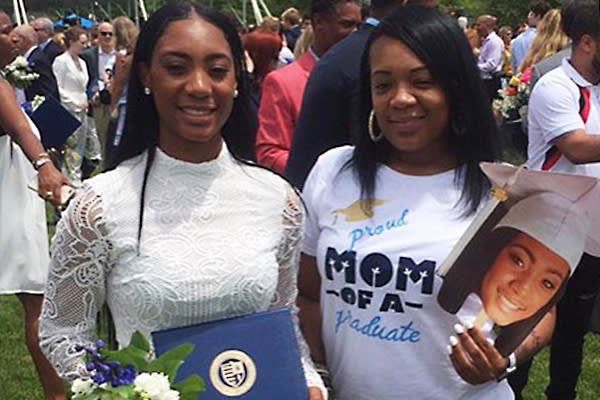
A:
(23, 232)
(72, 78)
(182, 231)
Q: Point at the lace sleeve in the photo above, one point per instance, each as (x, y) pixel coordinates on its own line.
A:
(75, 289)
(288, 256)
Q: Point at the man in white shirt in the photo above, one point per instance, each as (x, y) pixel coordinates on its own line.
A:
(564, 136)
(100, 59)
(491, 55)
(520, 44)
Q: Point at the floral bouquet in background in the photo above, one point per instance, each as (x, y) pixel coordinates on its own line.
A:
(132, 374)
(19, 74)
(514, 97)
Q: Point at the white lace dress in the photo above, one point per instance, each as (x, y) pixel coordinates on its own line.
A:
(219, 239)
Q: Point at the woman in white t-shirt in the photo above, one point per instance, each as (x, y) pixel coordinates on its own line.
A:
(383, 215)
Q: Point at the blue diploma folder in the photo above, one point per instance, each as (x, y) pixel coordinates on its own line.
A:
(254, 357)
(55, 123)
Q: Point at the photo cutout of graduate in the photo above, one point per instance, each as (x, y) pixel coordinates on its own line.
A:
(512, 265)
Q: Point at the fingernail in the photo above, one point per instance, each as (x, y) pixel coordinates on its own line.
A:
(453, 341)
(491, 341)
(458, 328)
(449, 348)
(468, 325)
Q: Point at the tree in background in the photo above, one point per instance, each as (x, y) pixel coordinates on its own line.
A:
(509, 12)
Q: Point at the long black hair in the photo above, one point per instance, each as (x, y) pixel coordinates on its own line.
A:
(441, 45)
(142, 122)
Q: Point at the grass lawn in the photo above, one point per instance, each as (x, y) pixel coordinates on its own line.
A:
(18, 380)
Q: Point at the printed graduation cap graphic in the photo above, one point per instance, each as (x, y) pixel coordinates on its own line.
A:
(512, 264)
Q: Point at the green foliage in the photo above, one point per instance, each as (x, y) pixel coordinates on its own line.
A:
(137, 354)
(189, 387)
(508, 12)
(170, 361)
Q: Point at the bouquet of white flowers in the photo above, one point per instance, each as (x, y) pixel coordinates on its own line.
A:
(131, 374)
(19, 74)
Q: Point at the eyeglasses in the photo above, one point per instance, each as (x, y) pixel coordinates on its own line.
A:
(107, 34)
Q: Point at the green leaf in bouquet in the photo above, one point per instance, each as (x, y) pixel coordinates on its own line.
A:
(129, 355)
(169, 368)
(125, 391)
(170, 361)
(139, 341)
(89, 396)
(189, 388)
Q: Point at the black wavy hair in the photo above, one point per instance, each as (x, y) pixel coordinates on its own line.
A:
(581, 19)
(441, 45)
(142, 122)
(327, 7)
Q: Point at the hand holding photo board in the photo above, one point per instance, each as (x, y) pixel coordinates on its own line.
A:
(512, 264)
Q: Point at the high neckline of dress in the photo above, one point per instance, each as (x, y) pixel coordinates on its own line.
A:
(223, 159)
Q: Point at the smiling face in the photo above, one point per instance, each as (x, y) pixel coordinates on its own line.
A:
(411, 109)
(192, 79)
(522, 279)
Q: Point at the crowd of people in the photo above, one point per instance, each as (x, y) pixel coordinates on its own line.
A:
(221, 171)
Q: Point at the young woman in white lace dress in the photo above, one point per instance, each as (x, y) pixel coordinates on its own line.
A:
(181, 231)
(23, 232)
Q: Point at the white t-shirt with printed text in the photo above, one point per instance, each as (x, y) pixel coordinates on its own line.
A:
(385, 334)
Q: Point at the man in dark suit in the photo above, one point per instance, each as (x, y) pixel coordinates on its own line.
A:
(329, 110)
(25, 41)
(44, 29)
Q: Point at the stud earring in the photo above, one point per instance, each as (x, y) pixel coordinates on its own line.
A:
(235, 94)
(147, 91)
(371, 128)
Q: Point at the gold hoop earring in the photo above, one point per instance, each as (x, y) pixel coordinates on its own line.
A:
(371, 128)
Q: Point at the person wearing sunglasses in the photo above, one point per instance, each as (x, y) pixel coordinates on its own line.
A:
(99, 59)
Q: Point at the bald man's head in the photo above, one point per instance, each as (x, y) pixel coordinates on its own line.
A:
(105, 35)
(23, 38)
(44, 29)
(485, 24)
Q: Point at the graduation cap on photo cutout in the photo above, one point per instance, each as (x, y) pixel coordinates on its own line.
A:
(561, 211)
